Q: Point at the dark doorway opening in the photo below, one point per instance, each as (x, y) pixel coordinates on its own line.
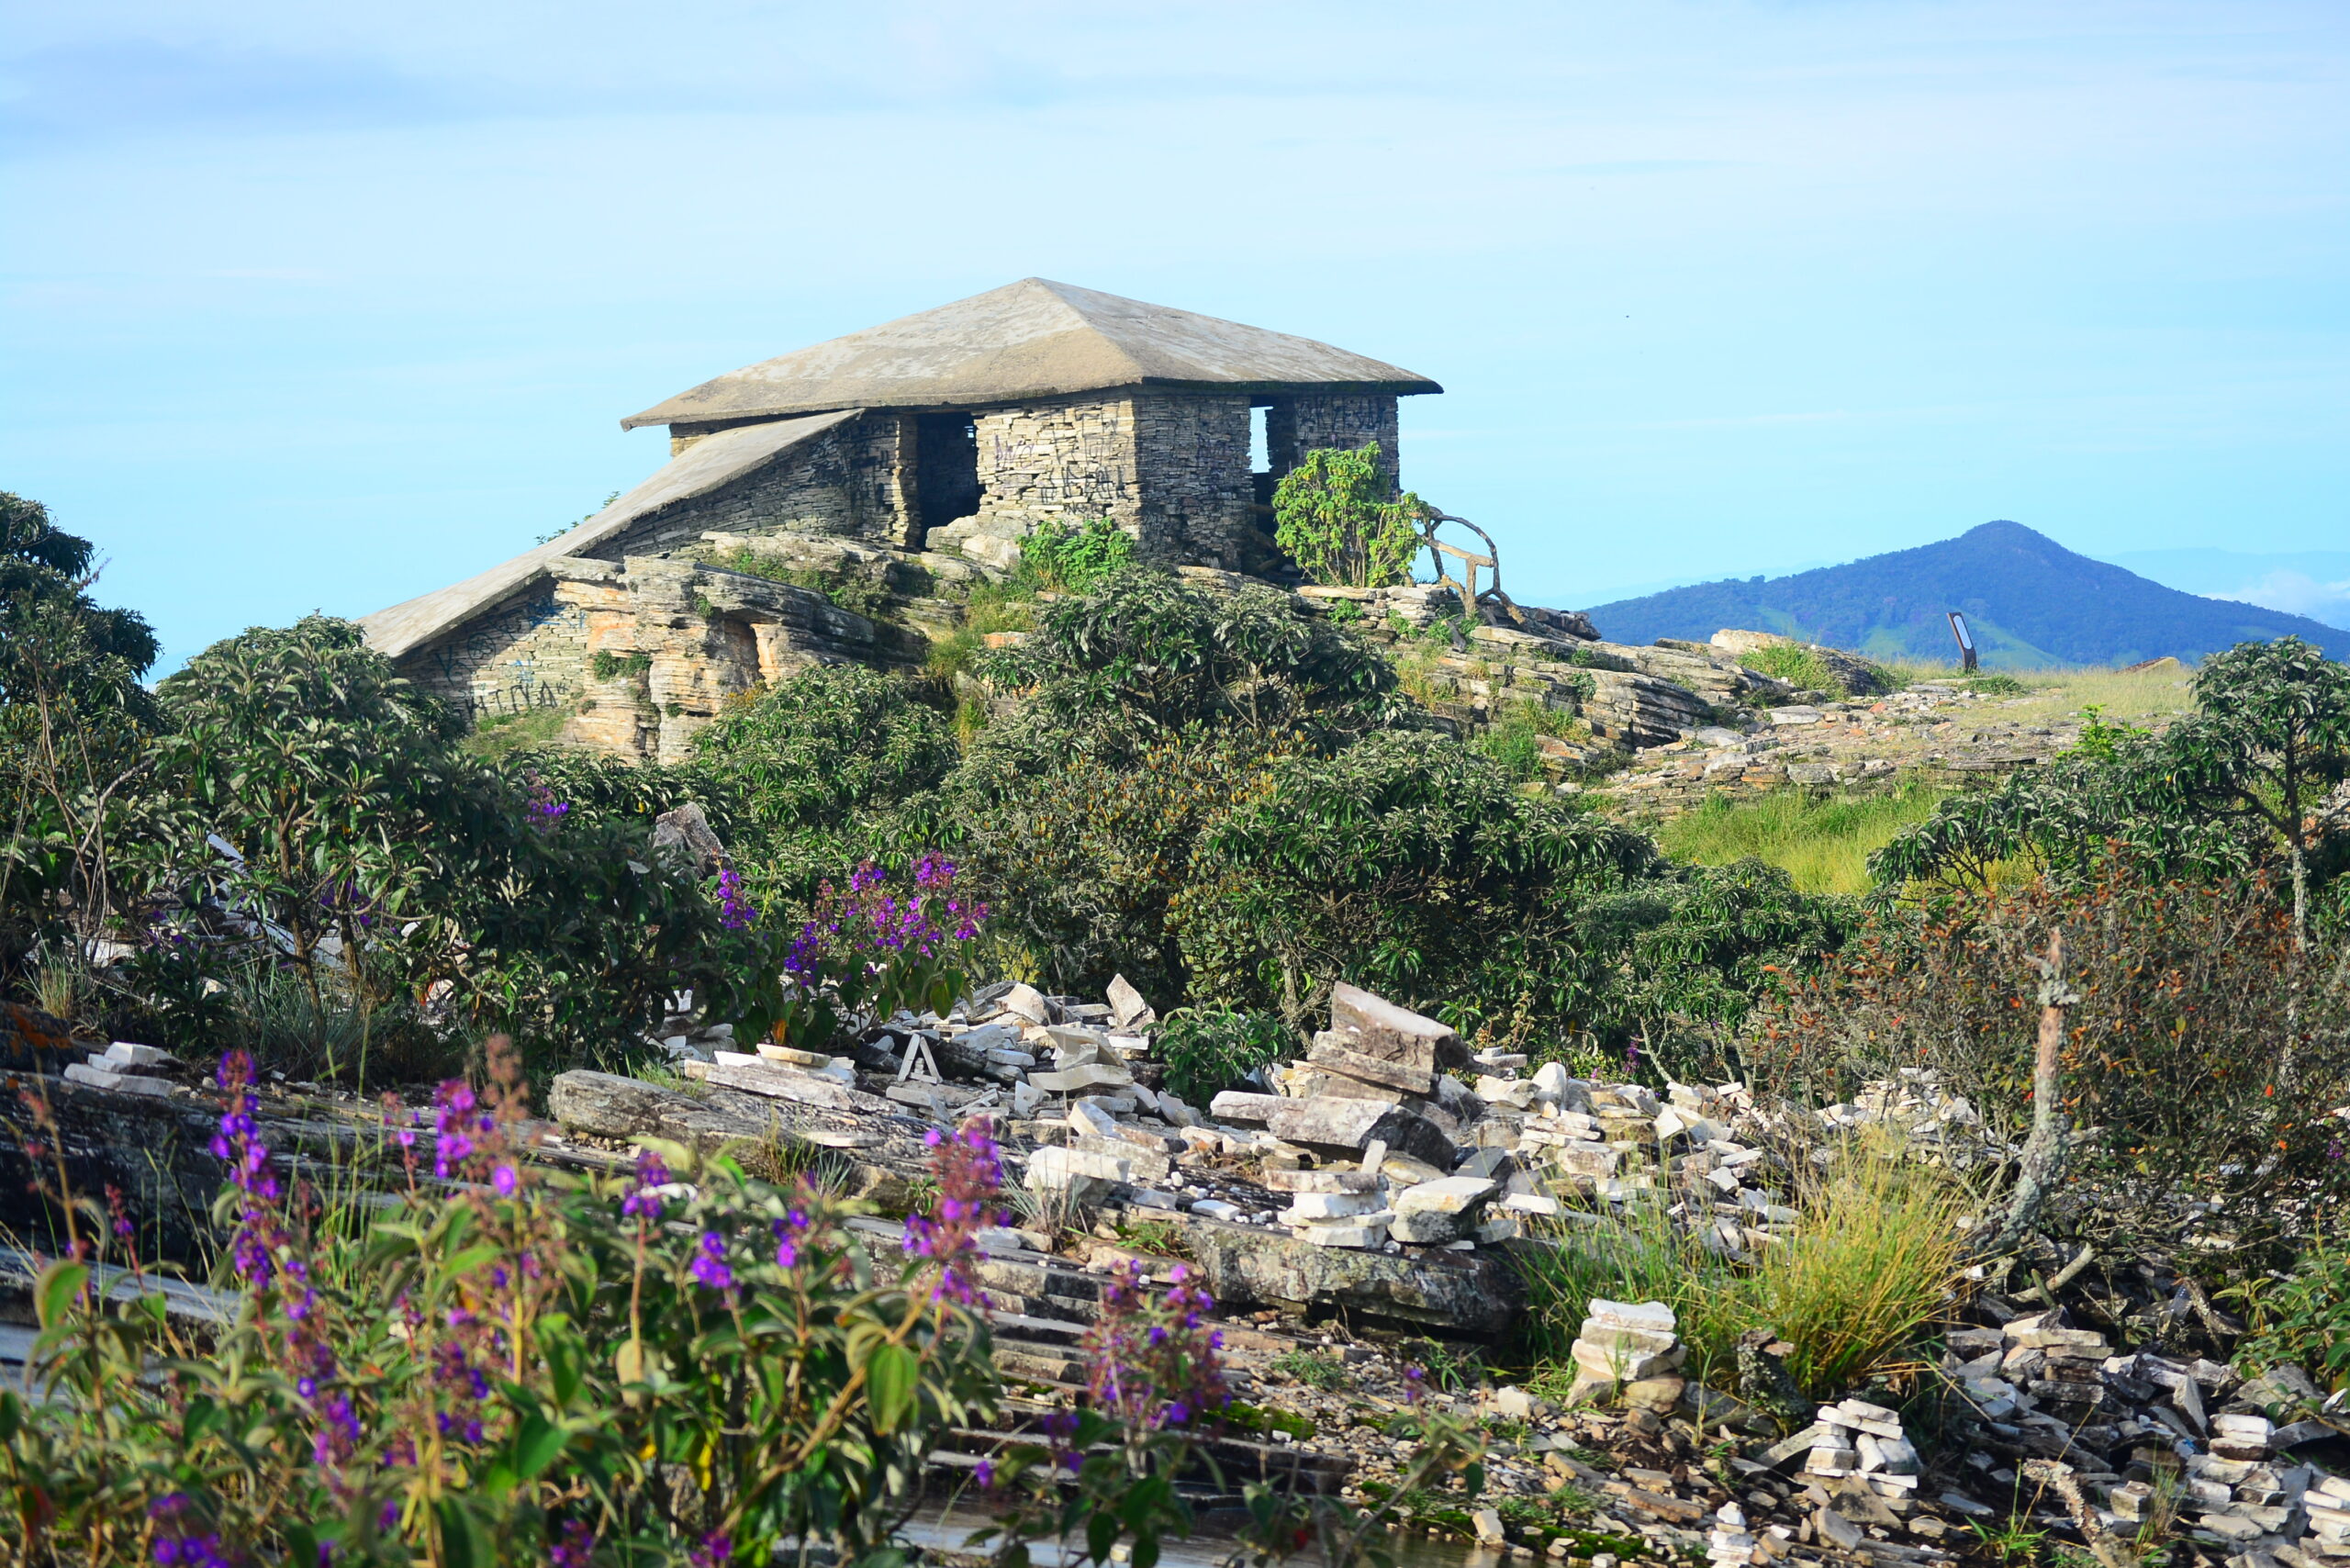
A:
(946, 472)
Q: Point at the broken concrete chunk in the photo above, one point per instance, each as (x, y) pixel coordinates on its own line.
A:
(1087, 1177)
(1320, 1181)
(1333, 1049)
(1393, 1033)
(1027, 1002)
(1127, 1009)
(1369, 1230)
(122, 1082)
(1305, 1206)
(1080, 1080)
(1451, 1196)
(1352, 1124)
(1234, 1105)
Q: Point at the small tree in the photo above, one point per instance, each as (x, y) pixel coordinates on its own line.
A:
(1339, 517)
(2273, 739)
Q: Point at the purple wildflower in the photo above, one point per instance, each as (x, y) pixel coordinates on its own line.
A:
(573, 1546)
(969, 1177)
(734, 911)
(643, 1200)
(713, 1550)
(709, 1269)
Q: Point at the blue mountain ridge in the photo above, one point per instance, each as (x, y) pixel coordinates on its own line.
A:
(2031, 603)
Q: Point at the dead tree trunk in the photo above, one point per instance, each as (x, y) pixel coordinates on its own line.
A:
(2043, 1151)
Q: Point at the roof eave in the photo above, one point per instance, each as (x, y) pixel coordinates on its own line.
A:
(667, 414)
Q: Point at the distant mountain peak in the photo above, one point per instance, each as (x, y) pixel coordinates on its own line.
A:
(2030, 600)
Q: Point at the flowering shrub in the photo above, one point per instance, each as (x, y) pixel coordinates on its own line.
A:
(868, 948)
(511, 1364)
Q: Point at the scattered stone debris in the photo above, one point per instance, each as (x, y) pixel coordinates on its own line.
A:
(1362, 1206)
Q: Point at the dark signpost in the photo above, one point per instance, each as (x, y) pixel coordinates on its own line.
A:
(1965, 643)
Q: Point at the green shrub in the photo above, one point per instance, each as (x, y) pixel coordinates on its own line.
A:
(1146, 652)
(73, 721)
(813, 749)
(1075, 560)
(1337, 516)
(1208, 1051)
(1082, 854)
(1410, 866)
(608, 665)
(396, 877)
(1512, 738)
(2304, 1320)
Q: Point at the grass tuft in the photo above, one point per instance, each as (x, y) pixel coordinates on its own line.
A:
(1866, 1269)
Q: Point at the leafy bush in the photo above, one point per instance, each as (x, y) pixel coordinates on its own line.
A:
(1144, 652)
(2233, 788)
(1405, 863)
(866, 951)
(2304, 1320)
(826, 743)
(1208, 1051)
(1337, 516)
(1075, 560)
(529, 1366)
(73, 719)
(1083, 854)
(2202, 1062)
(1513, 738)
(433, 895)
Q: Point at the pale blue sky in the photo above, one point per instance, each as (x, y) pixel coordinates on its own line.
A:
(324, 306)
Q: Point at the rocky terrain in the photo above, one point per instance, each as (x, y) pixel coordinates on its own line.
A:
(1362, 1214)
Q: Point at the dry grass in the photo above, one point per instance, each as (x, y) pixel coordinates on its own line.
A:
(1868, 1268)
(2056, 694)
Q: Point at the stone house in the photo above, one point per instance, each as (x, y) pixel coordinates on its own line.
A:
(922, 452)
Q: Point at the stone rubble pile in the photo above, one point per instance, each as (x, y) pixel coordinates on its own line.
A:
(127, 1069)
(1632, 1351)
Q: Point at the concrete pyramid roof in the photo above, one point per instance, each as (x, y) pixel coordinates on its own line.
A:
(1030, 338)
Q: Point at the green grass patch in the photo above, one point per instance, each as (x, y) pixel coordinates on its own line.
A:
(1824, 844)
(1313, 1369)
(1264, 1422)
(1513, 738)
(1798, 665)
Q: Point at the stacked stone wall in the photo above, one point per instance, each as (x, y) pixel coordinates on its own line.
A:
(1191, 456)
(527, 651)
(1295, 426)
(854, 481)
(1062, 460)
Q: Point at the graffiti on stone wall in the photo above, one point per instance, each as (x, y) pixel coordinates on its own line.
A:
(496, 676)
